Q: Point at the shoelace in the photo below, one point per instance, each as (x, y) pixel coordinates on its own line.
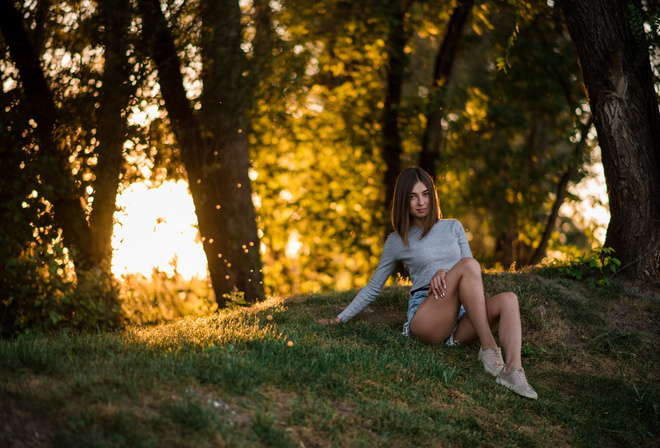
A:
(523, 378)
(497, 356)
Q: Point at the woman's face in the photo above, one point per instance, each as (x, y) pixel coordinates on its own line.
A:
(419, 204)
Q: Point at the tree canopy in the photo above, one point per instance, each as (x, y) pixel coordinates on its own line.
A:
(290, 120)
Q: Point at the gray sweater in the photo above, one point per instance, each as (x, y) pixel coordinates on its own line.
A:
(441, 248)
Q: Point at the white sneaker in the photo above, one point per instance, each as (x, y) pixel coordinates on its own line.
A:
(492, 360)
(517, 382)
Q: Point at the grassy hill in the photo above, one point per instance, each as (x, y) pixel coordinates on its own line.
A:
(269, 375)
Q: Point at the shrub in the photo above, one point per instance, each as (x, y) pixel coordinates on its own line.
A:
(40, 294)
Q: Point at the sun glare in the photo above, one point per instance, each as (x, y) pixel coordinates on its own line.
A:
(593, 205)
(156, 228)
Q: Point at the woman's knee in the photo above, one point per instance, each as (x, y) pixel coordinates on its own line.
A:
(470, 265)
(501, 303)
(509, 300)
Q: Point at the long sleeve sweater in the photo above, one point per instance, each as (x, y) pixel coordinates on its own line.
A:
(441, 248)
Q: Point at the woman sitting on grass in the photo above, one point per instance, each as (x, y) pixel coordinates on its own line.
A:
(447, 302)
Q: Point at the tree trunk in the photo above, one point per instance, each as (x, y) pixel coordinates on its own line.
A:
(619, 83)
(112, 128)
(396, 68)
(89, 243)
(444, 64)
(68, 212)
(214, 147)
(264, 37)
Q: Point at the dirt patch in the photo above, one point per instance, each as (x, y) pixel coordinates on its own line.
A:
(280, 401)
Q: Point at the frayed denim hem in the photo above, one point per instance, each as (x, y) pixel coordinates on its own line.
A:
(416, 299)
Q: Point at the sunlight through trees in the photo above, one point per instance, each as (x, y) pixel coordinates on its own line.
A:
(278, 127)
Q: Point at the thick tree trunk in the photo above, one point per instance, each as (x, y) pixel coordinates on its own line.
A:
(214, 148)
(619, 83)
(232, 227)
(444, 64)
(89, 243)
(67, 209)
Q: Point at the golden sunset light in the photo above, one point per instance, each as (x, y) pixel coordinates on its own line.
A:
(156, 228)
(593, 208)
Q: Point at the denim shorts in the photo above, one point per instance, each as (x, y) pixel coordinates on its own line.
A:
(416, 298)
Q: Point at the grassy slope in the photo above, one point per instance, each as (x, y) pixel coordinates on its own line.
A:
(270, 376)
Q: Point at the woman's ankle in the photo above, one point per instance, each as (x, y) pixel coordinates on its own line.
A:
(512, 366)
(485, 347)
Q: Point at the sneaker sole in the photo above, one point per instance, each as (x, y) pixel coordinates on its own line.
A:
(499, 381)
(491, 371)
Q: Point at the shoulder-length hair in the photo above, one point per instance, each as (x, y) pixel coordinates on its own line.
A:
(401, 202)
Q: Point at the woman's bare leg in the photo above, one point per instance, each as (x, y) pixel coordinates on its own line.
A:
(502, 309)
(435, 319)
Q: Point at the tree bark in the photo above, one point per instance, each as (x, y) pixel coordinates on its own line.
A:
(619, 83)
(89, 243)
(112, 128)
(68, 212)
(214, 146)
(444, 64)
(396, 69)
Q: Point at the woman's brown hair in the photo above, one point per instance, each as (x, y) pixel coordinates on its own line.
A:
(401, 203)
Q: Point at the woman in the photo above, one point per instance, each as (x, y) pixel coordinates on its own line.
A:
(447, 302)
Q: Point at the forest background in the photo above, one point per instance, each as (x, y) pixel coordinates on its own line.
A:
(290, 121)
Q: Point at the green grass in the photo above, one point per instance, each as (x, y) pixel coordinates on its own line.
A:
(271, 376)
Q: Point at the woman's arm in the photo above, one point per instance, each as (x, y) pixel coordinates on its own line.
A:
(368, 294)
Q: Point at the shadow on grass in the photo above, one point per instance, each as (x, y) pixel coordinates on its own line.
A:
(604, 411)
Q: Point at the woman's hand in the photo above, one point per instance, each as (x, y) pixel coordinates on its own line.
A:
(438, 286)
(333, 321)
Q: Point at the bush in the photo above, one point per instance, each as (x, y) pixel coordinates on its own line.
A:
(597, 268)
(40, 294)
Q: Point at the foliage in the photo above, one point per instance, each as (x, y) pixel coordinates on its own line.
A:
(315, 126)
(647, 39)
(269, 375)
(41, 295)
(515, 136)
(316, 164)
(598, 268)
(235, 299)
(39, 292)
